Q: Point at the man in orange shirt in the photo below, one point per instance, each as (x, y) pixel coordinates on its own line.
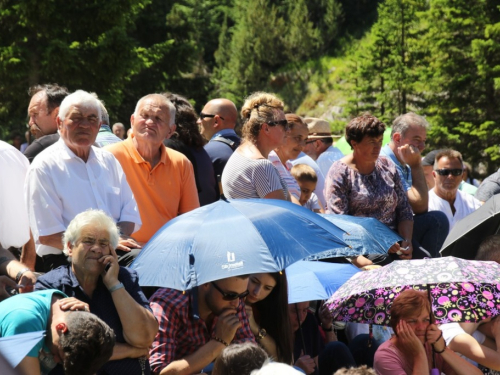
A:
(161, 179)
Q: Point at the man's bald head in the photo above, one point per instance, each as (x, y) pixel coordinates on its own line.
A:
(220, 114)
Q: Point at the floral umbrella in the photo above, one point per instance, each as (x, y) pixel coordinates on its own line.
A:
(460, 290)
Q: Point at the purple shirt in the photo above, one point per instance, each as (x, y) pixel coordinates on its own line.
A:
(379, 194)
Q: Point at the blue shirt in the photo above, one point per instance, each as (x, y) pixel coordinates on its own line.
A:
(403, 170)
(105, 137)
(28, 312)
(101, 304)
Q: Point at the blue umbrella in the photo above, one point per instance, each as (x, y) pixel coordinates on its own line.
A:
(364, 235)
(235, 237)
(313, 281)
(14, 348)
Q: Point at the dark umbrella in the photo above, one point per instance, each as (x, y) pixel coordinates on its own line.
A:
(466, 236)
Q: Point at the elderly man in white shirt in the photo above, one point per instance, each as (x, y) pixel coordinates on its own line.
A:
(445, 196)
(72, 176)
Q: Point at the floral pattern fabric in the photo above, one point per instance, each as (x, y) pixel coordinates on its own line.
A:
(461, 290)
(379, 194)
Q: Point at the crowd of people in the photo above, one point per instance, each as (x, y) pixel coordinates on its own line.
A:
(85, 197)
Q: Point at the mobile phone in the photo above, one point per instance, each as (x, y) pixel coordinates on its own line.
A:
(107, 267)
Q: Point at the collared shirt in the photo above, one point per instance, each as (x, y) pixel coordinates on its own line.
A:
(60, 185)
(163, 192)
(101, 304)
(224, 132)
(320, 185)
(105, 137)
(14, 223)
(284, 171)
(404, 170)
(327, 157)
(182, 331)
(464, 204)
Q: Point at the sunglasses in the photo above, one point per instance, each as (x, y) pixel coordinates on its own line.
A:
(230, 296)
(203, 115)
(283, 123)
(447, 172)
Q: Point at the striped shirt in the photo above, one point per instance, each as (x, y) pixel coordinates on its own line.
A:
(245, 178)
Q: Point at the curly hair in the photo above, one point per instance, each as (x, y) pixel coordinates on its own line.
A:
(185, 118)
(87, 344)
(361, 126)
(257, 109)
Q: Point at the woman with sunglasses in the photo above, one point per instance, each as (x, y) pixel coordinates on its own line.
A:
(295, 141)
(266, 306)
(364, 184)
(248, 173)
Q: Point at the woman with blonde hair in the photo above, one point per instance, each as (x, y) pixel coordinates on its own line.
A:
(248, 172)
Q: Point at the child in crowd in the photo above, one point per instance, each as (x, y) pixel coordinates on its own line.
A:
(307, 179)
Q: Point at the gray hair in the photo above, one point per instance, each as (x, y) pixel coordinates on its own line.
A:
(93, 217)
(161, 98)
(402, 123)
(104, 111)
(80, 98)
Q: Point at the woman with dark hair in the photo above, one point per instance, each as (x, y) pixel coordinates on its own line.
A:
(248, 173)
(267, 310)
(295, 141)
(416, 340)
(188, 141)
(364, 184)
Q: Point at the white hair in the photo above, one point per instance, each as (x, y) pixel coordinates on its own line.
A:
(80, 98)
(162, 98)
(276, 368)
(97, 218)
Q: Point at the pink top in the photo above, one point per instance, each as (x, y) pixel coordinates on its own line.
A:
(389, 360)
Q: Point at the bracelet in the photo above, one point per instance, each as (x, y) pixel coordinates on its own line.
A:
(440, 335)
(220, 340)
(435, 351)
(327, 329)
(21, 273)
(261, 334)
(116, 287)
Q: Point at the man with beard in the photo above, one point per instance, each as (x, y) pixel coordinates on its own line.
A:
(195, 326)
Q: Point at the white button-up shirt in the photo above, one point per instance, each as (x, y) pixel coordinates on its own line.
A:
(464, 204)
(14, 225)
(60, 185)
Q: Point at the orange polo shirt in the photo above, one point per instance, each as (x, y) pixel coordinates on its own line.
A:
(162, 192)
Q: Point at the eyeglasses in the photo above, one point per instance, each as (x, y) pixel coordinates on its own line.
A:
(203, 115)
(310, 141)
(230, 296)
(283, 123)
(447, 172)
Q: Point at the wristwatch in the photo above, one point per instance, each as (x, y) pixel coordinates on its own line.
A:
(261, 334)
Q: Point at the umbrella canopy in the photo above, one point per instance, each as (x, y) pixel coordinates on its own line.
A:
(461, 290)
(362, 234)
(465, 237)
(235, 237)
(312, 281)
(343, 146)
(14, 348)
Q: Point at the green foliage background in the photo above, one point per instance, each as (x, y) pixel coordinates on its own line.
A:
(332, 59)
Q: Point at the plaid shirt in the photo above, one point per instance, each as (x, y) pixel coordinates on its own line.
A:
(182, 331)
